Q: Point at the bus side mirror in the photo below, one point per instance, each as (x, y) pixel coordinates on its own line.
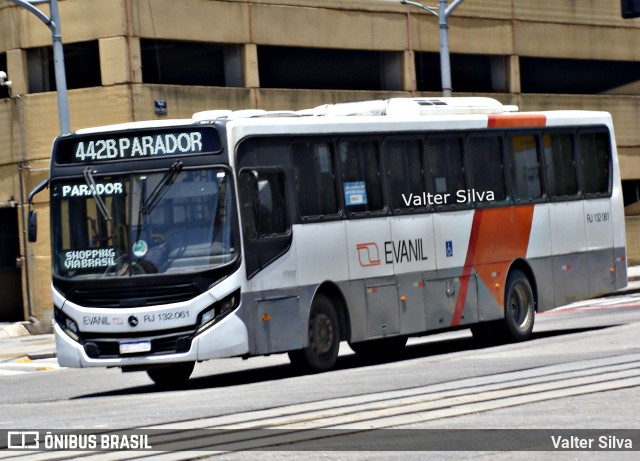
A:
(32, 226)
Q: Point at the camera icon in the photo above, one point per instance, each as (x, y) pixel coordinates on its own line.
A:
(23, 440)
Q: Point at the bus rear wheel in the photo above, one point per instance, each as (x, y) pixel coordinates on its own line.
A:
(519, 307)
(323, 341)
(173, 375)
(519, 314)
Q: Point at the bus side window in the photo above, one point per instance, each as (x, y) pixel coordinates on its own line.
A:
(313, 170)
(524, 166)
(559, 158)
(446, 165)
(487, 168)
(264, 203)
(405, 170)
(595, 163)
(361, 181)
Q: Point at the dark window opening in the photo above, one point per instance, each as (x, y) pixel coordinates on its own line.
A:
(595, 163)
(487, 168)
(183, 63)
(575, 76)
(631, 192)
(559, 158)
(405, 172)
(313, 171)
(445, 157)
(469, 72)
(524, 167)
(362, 185)
(4, 91)
(81, 61)
(264, 203)
(327, 69)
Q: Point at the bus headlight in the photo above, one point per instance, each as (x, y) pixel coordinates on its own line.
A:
(217, 311)
(69, 326)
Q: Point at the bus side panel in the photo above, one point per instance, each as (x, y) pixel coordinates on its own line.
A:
(617, 220)
(451, 298)
(542, 269)
(569, 246)
(539, 256)
(599, 232)
(412, 250)
(280, 310)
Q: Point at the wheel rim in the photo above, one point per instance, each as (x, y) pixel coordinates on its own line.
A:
(321, 334)
(520, 305)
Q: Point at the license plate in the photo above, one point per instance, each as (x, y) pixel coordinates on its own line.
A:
(134, 347)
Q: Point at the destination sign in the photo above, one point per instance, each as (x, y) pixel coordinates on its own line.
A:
(105, 147)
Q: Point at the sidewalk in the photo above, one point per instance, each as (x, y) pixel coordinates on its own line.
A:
(16, 342)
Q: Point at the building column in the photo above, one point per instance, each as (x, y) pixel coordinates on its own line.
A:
(513, 72)
(251, 76)
(120, 60)
(17, 71)
(409, 71)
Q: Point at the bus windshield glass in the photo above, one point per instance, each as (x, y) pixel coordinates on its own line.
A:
(165, 222)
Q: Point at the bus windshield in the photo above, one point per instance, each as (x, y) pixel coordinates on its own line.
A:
(165, 222)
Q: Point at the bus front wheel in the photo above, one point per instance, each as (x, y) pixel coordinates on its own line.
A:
(173, 375)
(323, 341)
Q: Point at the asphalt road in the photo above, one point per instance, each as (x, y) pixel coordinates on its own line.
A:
(580, 372)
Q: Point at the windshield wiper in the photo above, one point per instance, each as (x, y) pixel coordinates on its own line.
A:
(163, 186)
(102, 207)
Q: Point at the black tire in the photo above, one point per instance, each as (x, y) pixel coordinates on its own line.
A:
(323, 343)
(519, 307)
(380, 348)
(519, 314)
(173, 375)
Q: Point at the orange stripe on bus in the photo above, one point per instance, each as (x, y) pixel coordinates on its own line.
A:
(498, 236)
(516, 121)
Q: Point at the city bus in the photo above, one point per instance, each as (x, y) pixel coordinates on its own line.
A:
(249, 233)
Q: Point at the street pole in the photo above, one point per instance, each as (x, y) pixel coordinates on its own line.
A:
(444, 11)
(53, 23)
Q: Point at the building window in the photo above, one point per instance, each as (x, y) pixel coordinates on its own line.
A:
(185, 63)
(328, 69)
(575, 76)
(469, 72)
(82, 67)
(4, 91)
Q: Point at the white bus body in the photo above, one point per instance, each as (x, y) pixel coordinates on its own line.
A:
(366, 222)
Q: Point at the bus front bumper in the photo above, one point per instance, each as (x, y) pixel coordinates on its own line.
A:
(228, 338)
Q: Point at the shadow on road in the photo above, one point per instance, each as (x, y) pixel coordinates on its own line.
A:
(271, 373)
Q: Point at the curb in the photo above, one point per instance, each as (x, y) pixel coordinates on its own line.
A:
(42, 355)
(13, 330)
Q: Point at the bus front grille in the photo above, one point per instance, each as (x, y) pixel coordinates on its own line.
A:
(101, 346)
(134, 296)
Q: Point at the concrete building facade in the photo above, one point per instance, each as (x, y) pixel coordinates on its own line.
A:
(124, 55)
